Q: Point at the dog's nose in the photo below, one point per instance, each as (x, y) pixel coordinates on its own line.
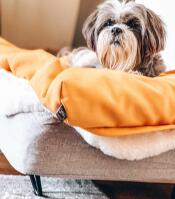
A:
(116, 31)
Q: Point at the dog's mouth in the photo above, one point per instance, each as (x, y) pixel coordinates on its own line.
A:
(115, 41)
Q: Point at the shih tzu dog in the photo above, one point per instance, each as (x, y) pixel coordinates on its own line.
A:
(123, 35)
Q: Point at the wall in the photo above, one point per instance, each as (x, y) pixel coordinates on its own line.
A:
(39, 23)
(86, 7)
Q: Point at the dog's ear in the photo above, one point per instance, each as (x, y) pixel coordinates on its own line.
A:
(89, 30)
(155, 35)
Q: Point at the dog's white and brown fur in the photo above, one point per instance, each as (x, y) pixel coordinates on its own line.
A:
(123, 35)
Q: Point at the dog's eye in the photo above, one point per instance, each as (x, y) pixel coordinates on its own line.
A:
(132, 23)
(109, 22)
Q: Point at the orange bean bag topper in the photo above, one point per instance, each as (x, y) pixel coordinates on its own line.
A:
(104, 102)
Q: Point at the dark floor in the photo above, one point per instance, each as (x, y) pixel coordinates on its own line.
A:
(135, 190)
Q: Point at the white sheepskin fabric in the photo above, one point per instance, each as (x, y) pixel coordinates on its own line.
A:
(17, 97)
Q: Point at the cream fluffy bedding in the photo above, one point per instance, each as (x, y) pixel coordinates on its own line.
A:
(17, 97)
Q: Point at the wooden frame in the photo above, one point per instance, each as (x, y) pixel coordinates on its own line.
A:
(6, 168)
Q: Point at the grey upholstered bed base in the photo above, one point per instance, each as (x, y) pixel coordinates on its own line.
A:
(32, 149)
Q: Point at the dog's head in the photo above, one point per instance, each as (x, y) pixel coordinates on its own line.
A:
(124, 34)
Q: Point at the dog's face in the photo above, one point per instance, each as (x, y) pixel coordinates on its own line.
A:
(124, 34)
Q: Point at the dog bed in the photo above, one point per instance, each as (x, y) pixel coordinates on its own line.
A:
(20, 106)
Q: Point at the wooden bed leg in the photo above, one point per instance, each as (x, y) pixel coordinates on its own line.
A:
(36, 183)
(106, 187)
(173, 193)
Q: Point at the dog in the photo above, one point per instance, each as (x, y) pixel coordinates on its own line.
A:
(122, 35)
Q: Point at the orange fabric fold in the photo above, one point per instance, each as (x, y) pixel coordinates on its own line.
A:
(104, 102)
